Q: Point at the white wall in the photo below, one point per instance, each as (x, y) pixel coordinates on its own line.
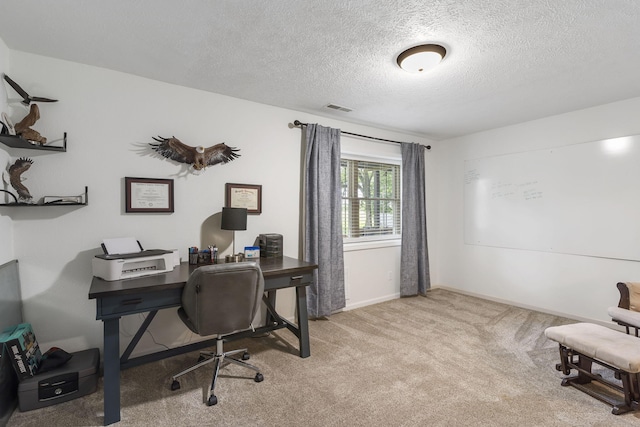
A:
(110, 118)
(577, 286)
(6, 226)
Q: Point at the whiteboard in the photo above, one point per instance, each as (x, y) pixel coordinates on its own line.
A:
(579, 199)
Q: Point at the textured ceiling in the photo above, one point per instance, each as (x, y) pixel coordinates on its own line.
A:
(508, 61)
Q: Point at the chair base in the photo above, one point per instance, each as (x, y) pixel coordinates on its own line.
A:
(220, 359)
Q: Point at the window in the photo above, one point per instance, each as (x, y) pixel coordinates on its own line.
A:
(370, 199)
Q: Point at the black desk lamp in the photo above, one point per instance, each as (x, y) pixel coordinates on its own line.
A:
(234, 219)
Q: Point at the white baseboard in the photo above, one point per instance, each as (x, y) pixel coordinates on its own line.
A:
(610, 324)
(371, 301)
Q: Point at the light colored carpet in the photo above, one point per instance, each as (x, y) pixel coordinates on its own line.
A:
(443, 360)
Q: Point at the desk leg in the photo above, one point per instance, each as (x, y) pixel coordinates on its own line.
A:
(111, 370)
(303, 320)
(271, 297)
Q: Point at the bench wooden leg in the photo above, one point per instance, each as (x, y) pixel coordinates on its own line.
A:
(571, 359)
(635, 381)
(631, 393)
(563, 366)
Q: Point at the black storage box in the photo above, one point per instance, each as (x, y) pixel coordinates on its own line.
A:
(270, 245)
(78, 377)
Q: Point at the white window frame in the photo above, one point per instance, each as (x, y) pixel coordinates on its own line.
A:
(370, 242)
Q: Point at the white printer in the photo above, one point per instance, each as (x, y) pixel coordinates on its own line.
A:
(124, 258)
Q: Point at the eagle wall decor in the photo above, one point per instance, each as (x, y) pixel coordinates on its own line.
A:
(15, 178)
(23, 127)
(26, 98)
(198, 157)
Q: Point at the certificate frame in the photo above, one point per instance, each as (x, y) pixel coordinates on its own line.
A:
(247, 196)
(148, 195)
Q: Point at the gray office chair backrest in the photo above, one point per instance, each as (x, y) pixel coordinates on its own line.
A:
(222, 298)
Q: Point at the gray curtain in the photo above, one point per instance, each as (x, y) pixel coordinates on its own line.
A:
(323, 231)
(414, 263)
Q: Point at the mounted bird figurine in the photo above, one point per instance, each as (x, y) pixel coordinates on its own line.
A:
(198, 157)
(15, 178)
(26, 98)
(23, 127)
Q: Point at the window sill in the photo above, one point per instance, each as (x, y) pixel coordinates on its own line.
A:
(377, 244)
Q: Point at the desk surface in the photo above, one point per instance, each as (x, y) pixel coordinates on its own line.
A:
(271, 267)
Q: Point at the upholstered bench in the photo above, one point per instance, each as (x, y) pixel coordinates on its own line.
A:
(582, 344)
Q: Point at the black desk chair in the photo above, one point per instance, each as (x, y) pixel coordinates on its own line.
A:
(218, 300)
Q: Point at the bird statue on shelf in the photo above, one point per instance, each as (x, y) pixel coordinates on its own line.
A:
(15, 178)
(198, 157)
(26, 98)
(23, 127)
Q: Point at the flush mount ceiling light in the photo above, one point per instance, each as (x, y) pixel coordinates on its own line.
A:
(419, 59)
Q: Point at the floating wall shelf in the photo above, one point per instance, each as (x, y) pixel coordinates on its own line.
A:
(57, 202)
(15, 141)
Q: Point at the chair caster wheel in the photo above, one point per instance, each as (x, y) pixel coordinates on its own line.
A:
(246, 355)
(258, 378)
(212, 400)
(175, 385)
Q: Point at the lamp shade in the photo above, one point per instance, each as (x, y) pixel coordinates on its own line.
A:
(234, 219)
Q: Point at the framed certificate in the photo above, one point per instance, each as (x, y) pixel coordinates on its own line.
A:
(245, 196)
(148, 195)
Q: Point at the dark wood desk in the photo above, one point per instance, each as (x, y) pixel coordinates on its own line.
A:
(152, 293)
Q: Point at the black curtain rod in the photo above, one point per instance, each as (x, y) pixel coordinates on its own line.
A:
(299, 123)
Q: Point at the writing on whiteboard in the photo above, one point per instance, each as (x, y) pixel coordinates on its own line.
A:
(471, 175)
(526, 190)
